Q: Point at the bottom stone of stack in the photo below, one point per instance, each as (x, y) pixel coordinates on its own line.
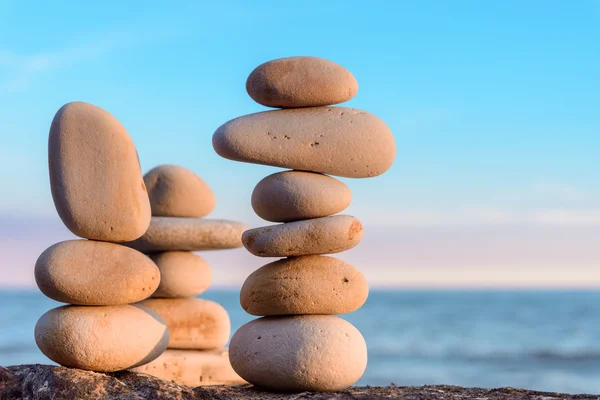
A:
(101, 338)
(299, 353)
(193, 368)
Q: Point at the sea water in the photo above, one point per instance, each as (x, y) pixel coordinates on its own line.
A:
(542, 340)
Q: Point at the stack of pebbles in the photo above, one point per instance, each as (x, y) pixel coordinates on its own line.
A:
(199, 328)
(100, 195)
(300, 345)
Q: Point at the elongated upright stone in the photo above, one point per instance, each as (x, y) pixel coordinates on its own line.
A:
(95, 175)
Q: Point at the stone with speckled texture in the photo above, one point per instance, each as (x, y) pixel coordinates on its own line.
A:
(304, 285)
(331, 140)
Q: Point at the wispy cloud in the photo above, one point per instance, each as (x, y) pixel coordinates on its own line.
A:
(23, 68)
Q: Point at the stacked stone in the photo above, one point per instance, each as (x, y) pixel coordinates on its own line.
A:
(100, 195)
(199, 328)
(299, 345)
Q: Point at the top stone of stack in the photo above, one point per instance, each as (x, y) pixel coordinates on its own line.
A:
(175, 191)
(295, 82)
(95, 175)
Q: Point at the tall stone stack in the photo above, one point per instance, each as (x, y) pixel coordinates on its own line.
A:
(299, 345)
(100, 195)
(199, 328)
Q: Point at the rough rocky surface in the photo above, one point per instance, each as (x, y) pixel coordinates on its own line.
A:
(296, 195)
(189, 234)
(304, 285)
(325, 235)
(175, 191)
(300, 82)
(299, 353)
(332, 140)
(88, 272)
(95, 175)
(45, 382)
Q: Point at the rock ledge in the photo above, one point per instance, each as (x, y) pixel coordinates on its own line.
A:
(35, 382)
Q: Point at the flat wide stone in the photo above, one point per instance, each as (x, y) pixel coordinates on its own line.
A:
(189, 234)
(331, 140)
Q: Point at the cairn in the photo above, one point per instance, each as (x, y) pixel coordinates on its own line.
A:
(299, 345)
(199, 328)
(99, 193)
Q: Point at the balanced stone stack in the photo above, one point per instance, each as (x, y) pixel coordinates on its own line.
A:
(299, 345)
(199, 328)
(100, 195)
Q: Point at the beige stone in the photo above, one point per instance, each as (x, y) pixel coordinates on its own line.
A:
(331, 140)
(299, 353)
(312, 236)
(193, 368)
(189, 234)
(182, 274)
(175, 191)
(304, 285)
(88, 272)
(95, 175)
(295, 195)
(194, 323)
(107, 338)
(300, 82)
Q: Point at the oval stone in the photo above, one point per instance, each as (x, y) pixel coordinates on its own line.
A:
(193, 323)
(182, 274)
(95, 175)
(312, 236)
(104, 339)
(296, 195)
(87, 272)
(189, 234)
(193, 368)
(331, 140)
(299, 353)
(304, 285)
(300, 82)
(175, 191)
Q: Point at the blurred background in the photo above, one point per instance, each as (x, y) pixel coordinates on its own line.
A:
(482, 242)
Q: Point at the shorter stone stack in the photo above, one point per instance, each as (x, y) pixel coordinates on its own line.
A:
(100, 195)
(299, 345)
(199, 328)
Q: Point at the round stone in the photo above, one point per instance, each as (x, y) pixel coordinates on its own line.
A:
(312, 236)
(304, 285)
(175, 191)
(194, 323)
(104, 339)
(299, 353)
(331, 140)
(95, 175)
(189, 234)
(193, 368)
(87, 272)
(182, 274)
(301, 82)
(296, 195)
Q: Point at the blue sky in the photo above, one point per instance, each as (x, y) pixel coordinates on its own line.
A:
(495, 106)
